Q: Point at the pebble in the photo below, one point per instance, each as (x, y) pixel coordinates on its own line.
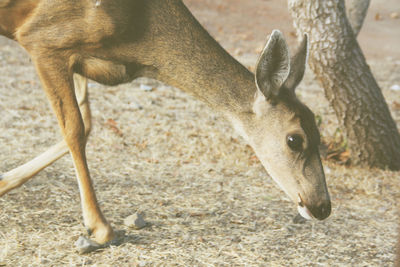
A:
(135, 106)
(236, 239)
(85, 245)
(395, 87)
(394, 15)
(327, 170)
(238, 52)
(146, 87)
(135, 221)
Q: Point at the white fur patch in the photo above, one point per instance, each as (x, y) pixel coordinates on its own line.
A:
(238, 126)
(259, 103)
(304, 212)
(302, 209)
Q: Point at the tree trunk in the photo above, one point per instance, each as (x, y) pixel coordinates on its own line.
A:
(356, 12)
(351, 89)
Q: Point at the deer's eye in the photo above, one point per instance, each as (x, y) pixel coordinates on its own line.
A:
(295, 142)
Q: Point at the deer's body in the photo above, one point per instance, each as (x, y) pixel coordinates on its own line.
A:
(116, 41)
(114, 46)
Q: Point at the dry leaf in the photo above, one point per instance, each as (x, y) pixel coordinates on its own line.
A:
(396, 105)
(112, 124)
(394, 15)
(378, 16)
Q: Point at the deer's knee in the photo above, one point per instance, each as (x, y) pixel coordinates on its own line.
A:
(74, 133)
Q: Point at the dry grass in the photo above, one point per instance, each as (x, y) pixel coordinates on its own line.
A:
(208, 201)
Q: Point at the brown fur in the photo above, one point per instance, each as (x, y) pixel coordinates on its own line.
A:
(115, 41)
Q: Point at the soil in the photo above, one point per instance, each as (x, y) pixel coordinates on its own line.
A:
(206, 199)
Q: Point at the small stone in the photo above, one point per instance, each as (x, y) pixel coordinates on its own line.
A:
(146, 87)
(135, 221)
(236, 239)
(187, 238)
(238, 52)
(85, 245)
(395, 87)
(327, 170)
(135, 106)
(394, 15)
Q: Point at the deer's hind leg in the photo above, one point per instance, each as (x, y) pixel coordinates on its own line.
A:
(21, 174)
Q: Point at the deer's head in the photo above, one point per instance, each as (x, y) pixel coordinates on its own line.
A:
(282, 130)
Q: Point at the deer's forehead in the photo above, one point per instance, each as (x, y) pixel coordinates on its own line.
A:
(286, 113)
(294, 108)
(308, 124)
(296, 113)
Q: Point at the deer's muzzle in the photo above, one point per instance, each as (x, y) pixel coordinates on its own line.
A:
(319, 211)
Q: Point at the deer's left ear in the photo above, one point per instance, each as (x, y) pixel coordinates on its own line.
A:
(297, 65)
(273, 66)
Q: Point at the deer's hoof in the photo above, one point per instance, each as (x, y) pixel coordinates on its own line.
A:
(85, 245)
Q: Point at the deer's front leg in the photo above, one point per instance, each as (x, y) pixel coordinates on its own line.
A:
(58, 85)
(21, 174)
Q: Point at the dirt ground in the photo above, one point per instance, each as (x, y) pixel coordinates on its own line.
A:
(207, 200)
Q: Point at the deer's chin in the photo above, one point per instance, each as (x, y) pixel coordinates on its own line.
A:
(304, 212)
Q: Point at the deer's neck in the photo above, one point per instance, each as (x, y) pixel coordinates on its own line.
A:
(13, 13)
(215, 78)
(188, 58)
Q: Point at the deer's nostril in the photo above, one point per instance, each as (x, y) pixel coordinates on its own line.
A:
(321, 211)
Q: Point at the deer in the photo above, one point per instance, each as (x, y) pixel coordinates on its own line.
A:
(116, 41)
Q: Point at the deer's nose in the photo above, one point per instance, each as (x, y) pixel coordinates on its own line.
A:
(320, 211)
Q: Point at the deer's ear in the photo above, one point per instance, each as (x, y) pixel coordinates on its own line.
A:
(298, 65)
(273, 66)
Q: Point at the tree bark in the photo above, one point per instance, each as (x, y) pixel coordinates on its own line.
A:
(356, 12)
(340, 67)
